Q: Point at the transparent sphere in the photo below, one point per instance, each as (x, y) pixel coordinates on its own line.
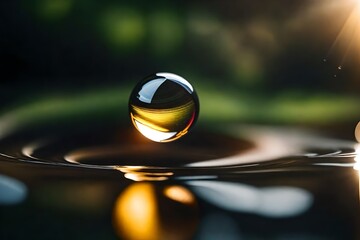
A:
(163, 107)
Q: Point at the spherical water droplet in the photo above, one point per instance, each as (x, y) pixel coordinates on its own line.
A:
(163, 107)
(339, 67)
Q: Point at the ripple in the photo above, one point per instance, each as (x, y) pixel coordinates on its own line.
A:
(201, 155)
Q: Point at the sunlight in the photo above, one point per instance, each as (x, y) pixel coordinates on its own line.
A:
(347, 41)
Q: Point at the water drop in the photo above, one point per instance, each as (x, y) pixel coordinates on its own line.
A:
(335, 76)
(163, 107)
(339, 67)
(324, 60)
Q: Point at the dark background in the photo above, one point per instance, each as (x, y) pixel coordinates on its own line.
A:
(279, 55)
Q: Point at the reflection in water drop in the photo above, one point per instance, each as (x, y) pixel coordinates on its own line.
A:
(357, 132)
(144, 211)
(163, 107)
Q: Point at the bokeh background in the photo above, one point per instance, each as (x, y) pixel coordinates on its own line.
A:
(70, 65)
(274, 62)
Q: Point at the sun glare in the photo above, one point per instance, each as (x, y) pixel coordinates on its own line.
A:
(348, 39)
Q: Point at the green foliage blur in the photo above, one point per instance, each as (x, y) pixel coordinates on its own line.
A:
(250, 61)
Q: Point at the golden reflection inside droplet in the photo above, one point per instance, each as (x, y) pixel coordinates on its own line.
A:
(151, 133)
(159, 134)
(163, 119)
(143, 212)
(179, 194)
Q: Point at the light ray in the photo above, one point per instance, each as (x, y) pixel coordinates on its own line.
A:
(346, 42)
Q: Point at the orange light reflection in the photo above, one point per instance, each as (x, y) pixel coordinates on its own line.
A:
(179, 194)
(135, 213)
(143, 212)
(138, 173)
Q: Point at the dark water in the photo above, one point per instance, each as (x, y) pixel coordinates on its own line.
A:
(239, 182)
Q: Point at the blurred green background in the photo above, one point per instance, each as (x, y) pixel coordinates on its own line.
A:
(273, 62)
